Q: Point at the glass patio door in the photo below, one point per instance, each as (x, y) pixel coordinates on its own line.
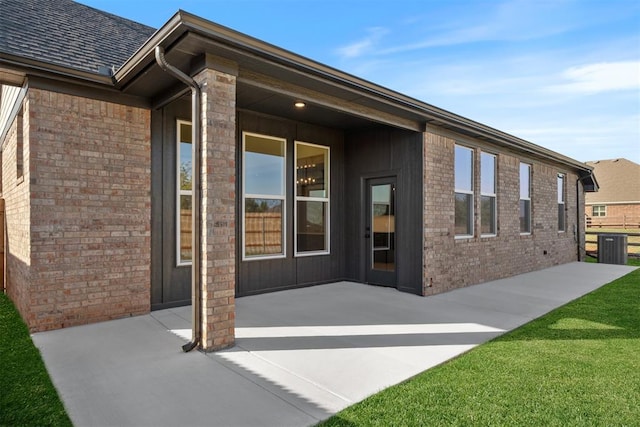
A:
(381, 231)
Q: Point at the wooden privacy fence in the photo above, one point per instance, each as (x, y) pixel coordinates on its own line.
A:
(263, 233)
(185, 233)
(633, 242)
(623, 221)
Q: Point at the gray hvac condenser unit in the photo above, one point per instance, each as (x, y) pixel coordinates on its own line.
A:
(612, 248)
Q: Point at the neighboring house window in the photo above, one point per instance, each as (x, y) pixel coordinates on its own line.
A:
(312, 199)
(599, 210)
(525, 198)
(184, 174)
(488, 194)
(20, 145)
(561, 203)
(463, 191)
(263, 201)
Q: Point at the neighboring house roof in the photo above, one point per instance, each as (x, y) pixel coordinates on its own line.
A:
(619, 181)
(69, 34)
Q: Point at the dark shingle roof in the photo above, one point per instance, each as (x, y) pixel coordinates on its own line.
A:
(67, 33)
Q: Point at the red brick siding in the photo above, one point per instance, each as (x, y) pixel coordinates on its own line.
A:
(618, 215)
(17, 212)
(89, 238)
(452, 263)
(218, 176)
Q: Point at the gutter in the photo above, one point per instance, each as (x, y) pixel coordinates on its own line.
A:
(183, 23)
(196, 286)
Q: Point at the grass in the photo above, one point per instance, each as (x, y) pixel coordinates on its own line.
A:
(578, 365)
(27, 396)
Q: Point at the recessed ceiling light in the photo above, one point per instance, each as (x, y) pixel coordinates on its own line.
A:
(300, 104)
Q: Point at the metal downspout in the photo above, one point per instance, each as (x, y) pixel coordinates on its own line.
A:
(196, 310)
(578, 235)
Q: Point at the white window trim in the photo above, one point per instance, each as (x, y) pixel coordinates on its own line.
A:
(564, 201)
(473, 197)
(327, 200)
(181, 192)
(494, 195)
(599, 214)
(265, 196)
(527, 233)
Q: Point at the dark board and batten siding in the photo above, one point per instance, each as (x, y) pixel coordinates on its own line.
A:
(383, 152)
(258, 276)
(170, 285)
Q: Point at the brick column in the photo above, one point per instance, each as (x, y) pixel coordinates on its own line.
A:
(218, 175)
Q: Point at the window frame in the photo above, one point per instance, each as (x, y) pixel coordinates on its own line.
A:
(600, 214)
(20, 145)
(562, 200)
(466, 192)
(180, 192)
(326, 200)
(246, 196)
(529, 188)
(494, 195)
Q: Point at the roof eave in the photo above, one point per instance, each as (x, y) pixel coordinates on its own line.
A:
(168, 33)
(183, 22)
(46, 69)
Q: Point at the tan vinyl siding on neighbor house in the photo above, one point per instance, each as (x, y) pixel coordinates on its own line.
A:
(8, 97)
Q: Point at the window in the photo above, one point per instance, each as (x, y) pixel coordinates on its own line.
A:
(312, 199)
(487, 194)
(263, 202)
(20, 146)
(184, 192)
(463, 191)
(525, 198)
(561, 204)
(599, 210)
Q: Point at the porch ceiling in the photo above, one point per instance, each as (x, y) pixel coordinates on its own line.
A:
(266, 86)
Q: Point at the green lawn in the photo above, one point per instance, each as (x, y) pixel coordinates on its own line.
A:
(576, 366)
(27, 396)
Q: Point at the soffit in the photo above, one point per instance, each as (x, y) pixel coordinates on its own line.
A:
(267, 86)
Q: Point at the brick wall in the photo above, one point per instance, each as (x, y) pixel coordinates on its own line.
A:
(452, 263)
(87, 249)
(15, 191)
(617, 216)
(218, 174)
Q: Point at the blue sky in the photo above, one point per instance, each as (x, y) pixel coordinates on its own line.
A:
(564, 74)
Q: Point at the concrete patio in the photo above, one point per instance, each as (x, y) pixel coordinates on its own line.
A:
(301, 355)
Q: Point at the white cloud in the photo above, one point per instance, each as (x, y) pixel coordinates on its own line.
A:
(515, 20)
(363, 46)
(600, 77)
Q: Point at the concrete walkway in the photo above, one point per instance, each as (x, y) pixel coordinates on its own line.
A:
(301, 355)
